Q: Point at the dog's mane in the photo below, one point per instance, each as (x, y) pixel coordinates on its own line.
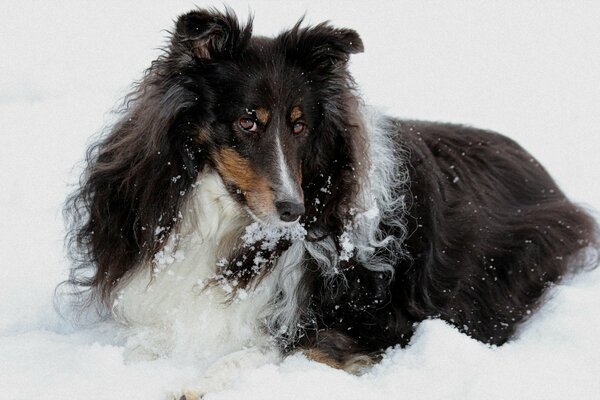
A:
(381, 196)
(138, 175)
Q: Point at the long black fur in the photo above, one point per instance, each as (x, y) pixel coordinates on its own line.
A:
(488, 228)
(489, 232)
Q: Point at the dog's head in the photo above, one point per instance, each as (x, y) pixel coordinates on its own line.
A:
(269, 109)
(275, 117)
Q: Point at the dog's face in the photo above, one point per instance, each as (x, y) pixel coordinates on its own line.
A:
(262, 131)
(268, 99)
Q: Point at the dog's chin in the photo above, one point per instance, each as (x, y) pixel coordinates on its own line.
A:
(270, 219)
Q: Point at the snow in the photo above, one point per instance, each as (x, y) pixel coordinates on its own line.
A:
(346, 245)
(527, 69)
(269, 235)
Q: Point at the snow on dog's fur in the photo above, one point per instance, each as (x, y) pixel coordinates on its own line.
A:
(247, 199)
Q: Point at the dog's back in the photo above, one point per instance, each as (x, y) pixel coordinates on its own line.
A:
(492, 230)
(488, 231)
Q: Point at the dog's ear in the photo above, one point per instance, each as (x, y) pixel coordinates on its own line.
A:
(210, 34)
(321, 46)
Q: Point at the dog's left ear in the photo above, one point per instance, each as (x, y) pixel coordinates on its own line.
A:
(211, 34)
(321, 46)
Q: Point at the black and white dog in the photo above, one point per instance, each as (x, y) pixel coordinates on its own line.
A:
(247, 198)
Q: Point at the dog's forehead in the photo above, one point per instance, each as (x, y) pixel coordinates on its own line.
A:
(276, 93)
(270, 73)
(267, 47)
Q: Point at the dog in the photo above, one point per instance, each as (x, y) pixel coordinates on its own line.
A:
(247, 198)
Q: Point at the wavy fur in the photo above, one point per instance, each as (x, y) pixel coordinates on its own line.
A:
(405, 220)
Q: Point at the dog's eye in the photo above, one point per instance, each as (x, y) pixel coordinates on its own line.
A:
(299, 127)
(247, 124)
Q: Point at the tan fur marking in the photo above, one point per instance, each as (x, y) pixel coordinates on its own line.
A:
(299, 176)
(263, 115)
(356, 364)
(190, 395)
(202, 136)
(321, 357)
(236, 169)
(201, 49)
(296, 113)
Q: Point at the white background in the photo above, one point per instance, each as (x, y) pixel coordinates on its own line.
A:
(530, 70)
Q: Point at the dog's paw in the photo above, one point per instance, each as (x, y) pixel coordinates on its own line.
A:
(187, 395)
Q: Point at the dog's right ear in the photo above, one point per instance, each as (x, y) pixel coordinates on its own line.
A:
(211, 34)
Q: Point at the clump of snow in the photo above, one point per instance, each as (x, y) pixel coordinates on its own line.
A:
(267, 237)
(259, 261)
(371, 213)
(347, 247)
(327, 187)
(270, 235)
(169, 254)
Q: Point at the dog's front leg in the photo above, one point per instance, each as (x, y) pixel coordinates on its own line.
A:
(223, 373)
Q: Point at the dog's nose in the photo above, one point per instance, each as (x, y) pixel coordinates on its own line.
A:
(288, 210)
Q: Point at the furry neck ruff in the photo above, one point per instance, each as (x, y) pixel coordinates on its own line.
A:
(185, 302)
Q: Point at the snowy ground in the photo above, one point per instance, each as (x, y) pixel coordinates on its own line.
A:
(530, 70)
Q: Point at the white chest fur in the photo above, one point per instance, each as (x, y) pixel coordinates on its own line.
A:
(167, 307)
